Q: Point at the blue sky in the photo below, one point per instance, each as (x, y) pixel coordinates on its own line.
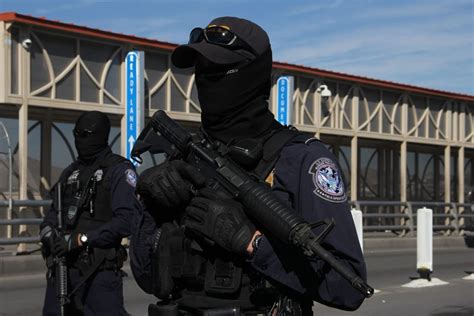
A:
(427, 43)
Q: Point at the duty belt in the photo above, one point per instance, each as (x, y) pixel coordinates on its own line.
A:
(174, 310)
(223, 311)
(110, 259)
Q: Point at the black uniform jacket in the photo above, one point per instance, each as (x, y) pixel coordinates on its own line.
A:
(308, 178)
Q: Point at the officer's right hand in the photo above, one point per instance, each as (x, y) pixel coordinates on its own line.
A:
(168, 184)
(65, 244)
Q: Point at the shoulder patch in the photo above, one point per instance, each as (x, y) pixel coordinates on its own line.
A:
(131, 177)
(327, 181)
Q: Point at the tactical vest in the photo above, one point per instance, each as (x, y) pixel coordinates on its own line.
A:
(215, 278)
(86, 205)
(272, 148)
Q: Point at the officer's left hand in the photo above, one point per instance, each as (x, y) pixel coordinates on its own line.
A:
(48, 235)
(220, 220)
(65, 244)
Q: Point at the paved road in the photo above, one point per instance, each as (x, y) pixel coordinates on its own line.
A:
(388, 270)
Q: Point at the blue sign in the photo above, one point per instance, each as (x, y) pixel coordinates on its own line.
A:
(284, 100)
(134, 107)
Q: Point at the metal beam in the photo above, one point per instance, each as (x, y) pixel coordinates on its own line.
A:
(23, 129)
(5, 49)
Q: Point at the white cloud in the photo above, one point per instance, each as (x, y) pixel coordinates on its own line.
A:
(167, 29)
(313, 7)
(60, 8)
(412, 9)
(415, 48)
(50, 7)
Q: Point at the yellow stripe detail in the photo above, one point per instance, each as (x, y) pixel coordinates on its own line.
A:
(269, 178)
(215, 25)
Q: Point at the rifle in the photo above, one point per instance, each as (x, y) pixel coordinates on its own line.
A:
(60, 262)
(256, 197)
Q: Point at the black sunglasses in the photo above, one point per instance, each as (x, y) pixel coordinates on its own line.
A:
(219, 35)
(82, 132)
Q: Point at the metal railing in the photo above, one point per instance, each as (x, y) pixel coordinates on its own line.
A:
(394, 216)
(22, 221)
(448, 218)
(34, 203)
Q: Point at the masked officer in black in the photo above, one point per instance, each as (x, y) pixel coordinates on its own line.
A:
(98, 207)
(246, 270)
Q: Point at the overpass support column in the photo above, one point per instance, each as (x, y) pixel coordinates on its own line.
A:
(404, 165)
(461, 193)
(23, 131)
(354, 168)
(354, 143)
(403, 172)
(461, 171)
(461, 159)
(46, 150)
(404, 188)
(447, 184)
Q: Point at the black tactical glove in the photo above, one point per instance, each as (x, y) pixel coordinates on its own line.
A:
(220, 220)
(168, 185)
(48, 235)
(66, 244)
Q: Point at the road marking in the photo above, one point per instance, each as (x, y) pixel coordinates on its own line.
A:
(424, 283)
(469, 277)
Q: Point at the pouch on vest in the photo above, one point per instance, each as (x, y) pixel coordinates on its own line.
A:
(223, 277)
(115, 258)
(175, 262)
(81, 200)
(163, 309)
(162, 280)
(72, 212)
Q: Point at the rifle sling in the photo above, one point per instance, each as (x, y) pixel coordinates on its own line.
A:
(99, 259)
(272, 148)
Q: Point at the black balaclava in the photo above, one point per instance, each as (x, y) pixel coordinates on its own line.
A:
(234, 105)
(233, 96)
(91, 134)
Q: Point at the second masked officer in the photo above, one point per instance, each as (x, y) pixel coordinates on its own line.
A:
(98, 206)
(246, 271)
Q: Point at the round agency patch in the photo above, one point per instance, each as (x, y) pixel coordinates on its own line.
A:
(131, 177)
(327, 180)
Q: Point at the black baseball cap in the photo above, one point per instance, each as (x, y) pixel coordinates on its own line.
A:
(184, 56)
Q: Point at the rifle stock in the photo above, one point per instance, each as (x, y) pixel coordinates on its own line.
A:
(258, 199)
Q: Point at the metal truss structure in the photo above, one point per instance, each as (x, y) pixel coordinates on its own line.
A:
(65, 68)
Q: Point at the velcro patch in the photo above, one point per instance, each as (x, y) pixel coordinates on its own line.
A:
(327, 180)
(131, 177)
(74, 177)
